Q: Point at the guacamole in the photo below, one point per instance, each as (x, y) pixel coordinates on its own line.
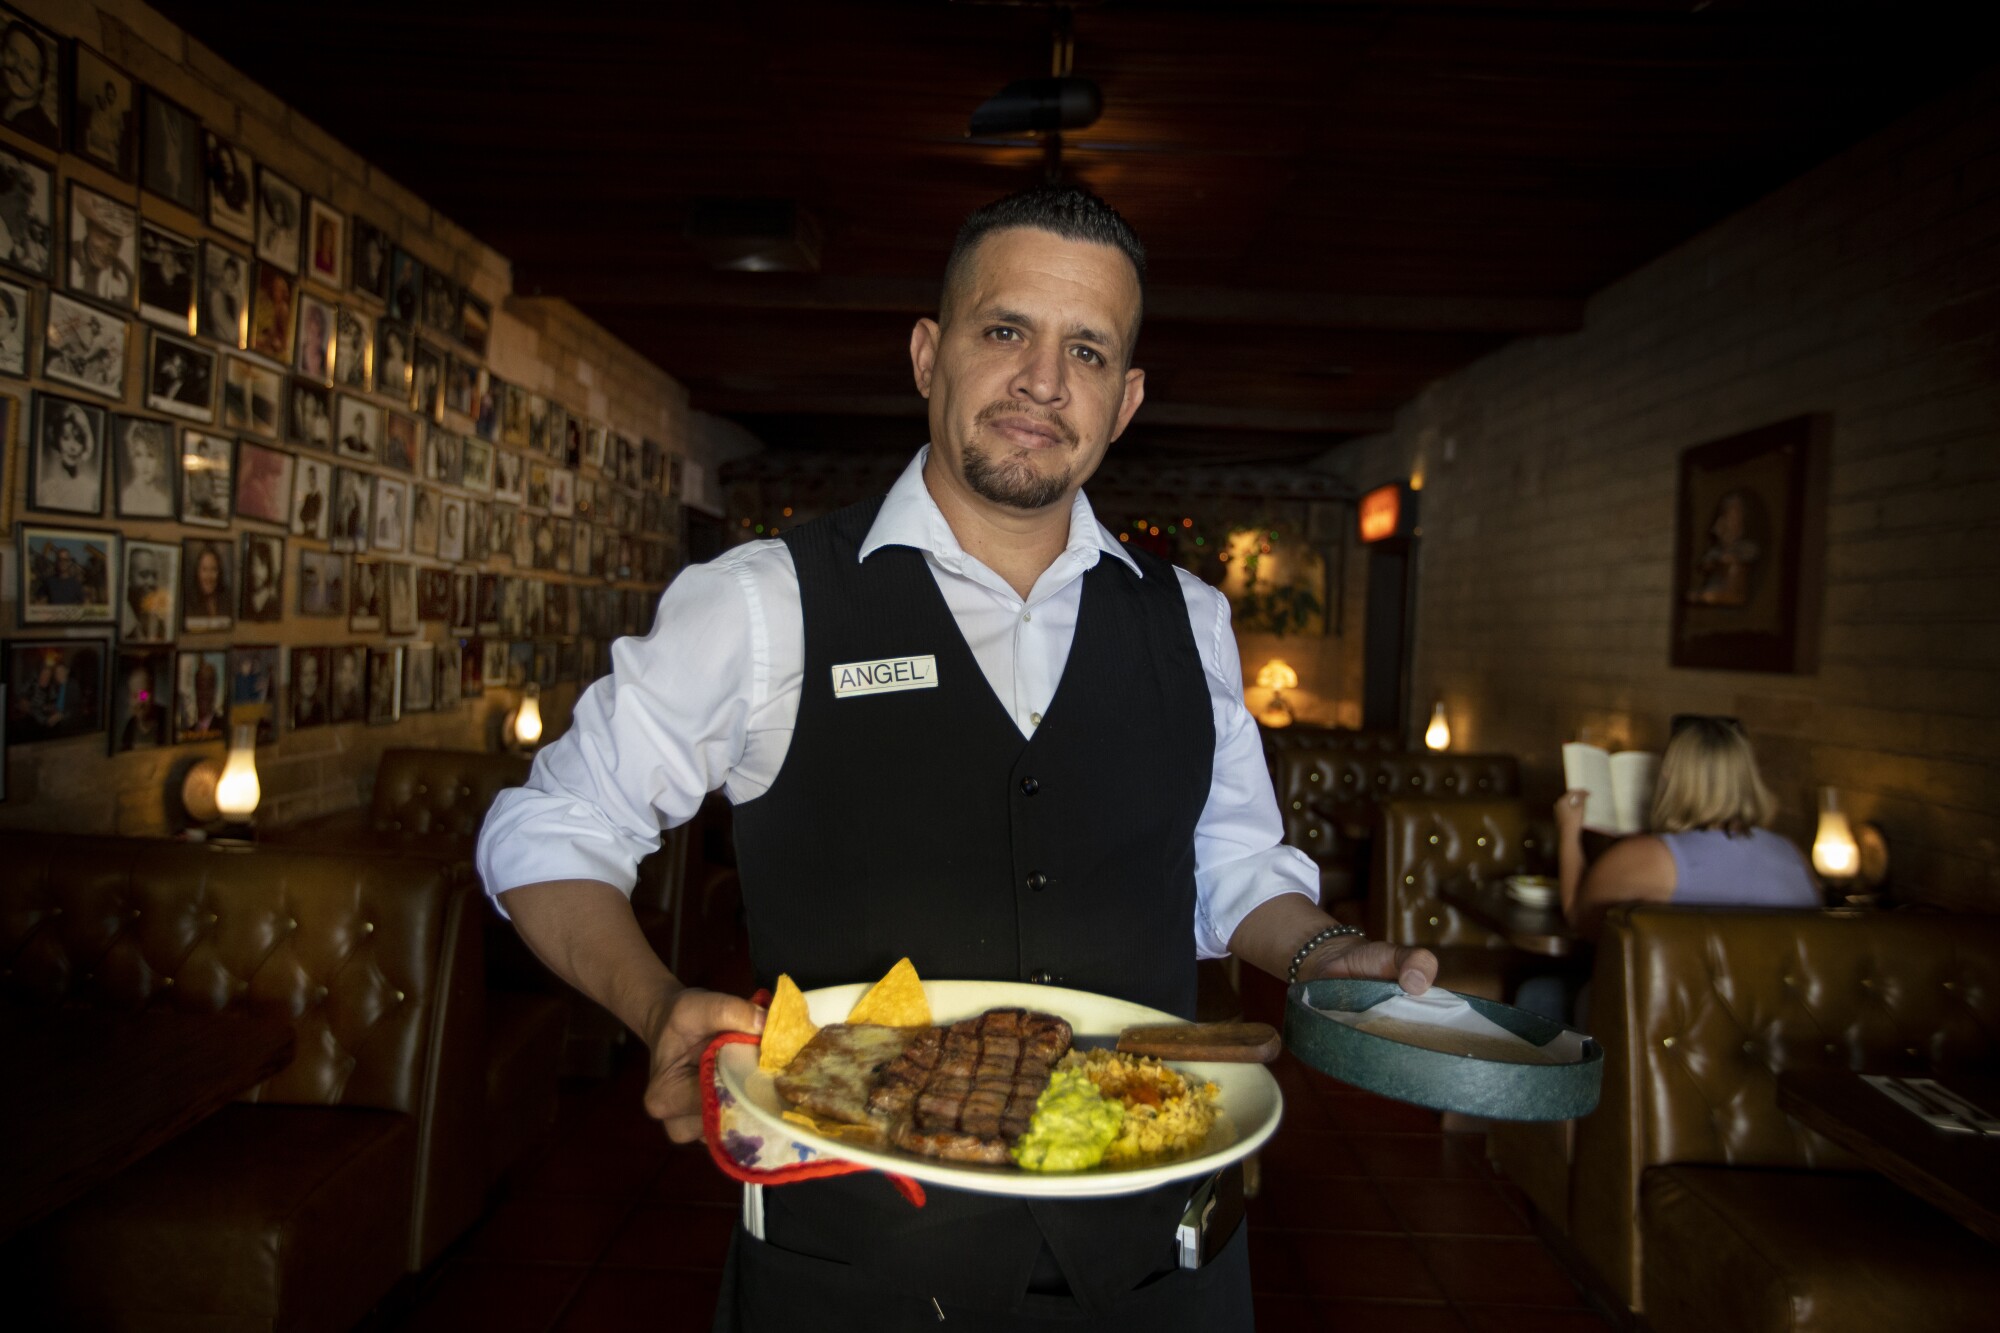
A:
(1072, 1126)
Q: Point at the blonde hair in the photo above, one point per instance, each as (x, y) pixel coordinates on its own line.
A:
(1709, 779)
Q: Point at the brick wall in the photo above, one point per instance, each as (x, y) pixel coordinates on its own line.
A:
(1868, 289)
(542, 344)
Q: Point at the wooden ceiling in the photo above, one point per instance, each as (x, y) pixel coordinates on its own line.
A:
(1342, 202)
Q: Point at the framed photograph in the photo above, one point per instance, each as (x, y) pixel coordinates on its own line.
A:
(399, 441)
(55, 688)
(441, 456)
(309, 419)
(207, 478)
(545, 542)
(27, 214)
(450, 674)
(385, 685)
(322, 583)
(229, 171)
(170, 151)
(250, 396)
(315, 341)
(424, 523)
(84, 347)
(326, 244)
(559, 435)
(391, 530)
(33, 107)
(478, 530)
(486, 414)
(253, 688)
(312, 507)
(464, 598)
(509, 476)
(273, 321)
(493, 663)
(572, 442)
(579, 556)
(101, 107)
(263, 484)
(475, 323)
(514, 417)
(180, 378)
(167, 264)
(538, 423)
(208, 585)
(223, 313)
(451, 528)
(263, 578)
(501, 522)
(1749, 549)
(427, 382)
(586, 498)
(310, 684)
(201, 699)
(562, 491)
(406, 286)
(475, 465)
(565, 545)
(433, 594)
(419, 677)
(67, 575)
(441, 301)
(393, 344)
(471, 667)
(358, 428)
(520, 663)
(66, 463)
(141, 683)
(353, 351)
(145, 467)
(280, 220)
(594, 438)
(352, 494)
(367, 596)
(538, 486)
(461, 386)
(370, 271)
(347, 698)
(103, 247)
(152, 587)
(400, 593)
(486, 605)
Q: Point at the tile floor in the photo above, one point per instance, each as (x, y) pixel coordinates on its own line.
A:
(1370, 1218)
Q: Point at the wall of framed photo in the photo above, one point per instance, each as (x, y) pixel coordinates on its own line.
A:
(282, 448)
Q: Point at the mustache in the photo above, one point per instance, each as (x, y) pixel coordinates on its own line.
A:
(993, 412)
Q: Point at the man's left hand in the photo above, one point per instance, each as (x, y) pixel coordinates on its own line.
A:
(1411, 966)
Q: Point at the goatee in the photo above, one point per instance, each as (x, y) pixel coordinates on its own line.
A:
(1012, 480)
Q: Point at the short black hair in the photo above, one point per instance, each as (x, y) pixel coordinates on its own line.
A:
(1068, 211)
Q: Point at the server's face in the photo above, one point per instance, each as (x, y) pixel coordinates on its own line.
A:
(1027, 377)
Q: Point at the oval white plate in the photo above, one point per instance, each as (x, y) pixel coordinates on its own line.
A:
(1250, 1104)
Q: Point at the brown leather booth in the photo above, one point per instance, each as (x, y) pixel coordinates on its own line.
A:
(301, 1204)
(1694, 1197)
(1330, 799)
(1423, 844)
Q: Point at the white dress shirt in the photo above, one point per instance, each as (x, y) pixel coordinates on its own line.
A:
(710, 697)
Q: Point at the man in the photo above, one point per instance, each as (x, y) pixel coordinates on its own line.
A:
(97, 264)
(988, 825)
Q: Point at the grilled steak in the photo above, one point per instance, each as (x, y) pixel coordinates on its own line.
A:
(969, 1094)
(832, 1076)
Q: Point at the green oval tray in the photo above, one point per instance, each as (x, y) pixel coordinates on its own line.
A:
(1495, 1089)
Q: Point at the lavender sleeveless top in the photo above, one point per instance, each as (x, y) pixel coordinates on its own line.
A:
(1757, 869)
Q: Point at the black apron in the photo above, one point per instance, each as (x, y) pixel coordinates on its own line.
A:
(920, 822)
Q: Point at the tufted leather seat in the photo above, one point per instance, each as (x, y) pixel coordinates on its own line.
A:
(1329, 798)
(1694, 1195)
(301, 1204)
(1426, 843)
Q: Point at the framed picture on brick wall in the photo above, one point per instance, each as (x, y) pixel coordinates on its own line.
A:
(280, 220)
(55, 688)
(27, 206)
(326, 244)
(17, 328)
(229, 173)
(33, 106)
(102, 100)
(1749, 547)
(169, 151)
(103, 252)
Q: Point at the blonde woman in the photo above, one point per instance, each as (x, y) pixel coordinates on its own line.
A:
(1711, 842)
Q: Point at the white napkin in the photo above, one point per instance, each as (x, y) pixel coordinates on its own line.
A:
(1443, 1008)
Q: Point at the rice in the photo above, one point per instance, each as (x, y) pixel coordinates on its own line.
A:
(1166, 1114)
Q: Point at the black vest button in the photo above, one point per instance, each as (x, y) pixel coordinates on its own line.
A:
(1037, 880)
(1040, 978)
(1029, 786)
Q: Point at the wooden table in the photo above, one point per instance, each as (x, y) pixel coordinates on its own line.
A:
(1536, 930)
(88, 1094)
(1959, 1173)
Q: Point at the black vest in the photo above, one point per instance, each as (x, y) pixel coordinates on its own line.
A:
(921, 822)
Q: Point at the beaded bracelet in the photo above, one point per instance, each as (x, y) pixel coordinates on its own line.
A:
(1330, 933)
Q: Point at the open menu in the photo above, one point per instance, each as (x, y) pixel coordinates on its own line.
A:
(1620, 786)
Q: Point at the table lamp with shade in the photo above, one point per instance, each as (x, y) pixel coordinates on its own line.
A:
(1276, 676)
(226, 791)
(1437, 736)
(1852, 859)
(523, 731)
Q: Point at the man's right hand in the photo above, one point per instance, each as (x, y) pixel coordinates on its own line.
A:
(682, 1025)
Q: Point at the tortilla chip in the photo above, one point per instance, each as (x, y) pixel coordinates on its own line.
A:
(834, 1129)
(787, 1027)
(896, 1001)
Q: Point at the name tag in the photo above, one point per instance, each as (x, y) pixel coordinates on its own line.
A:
(886, 676)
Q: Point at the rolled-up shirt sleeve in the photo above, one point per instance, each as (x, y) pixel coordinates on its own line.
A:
(1241, 861)
(646, 743)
